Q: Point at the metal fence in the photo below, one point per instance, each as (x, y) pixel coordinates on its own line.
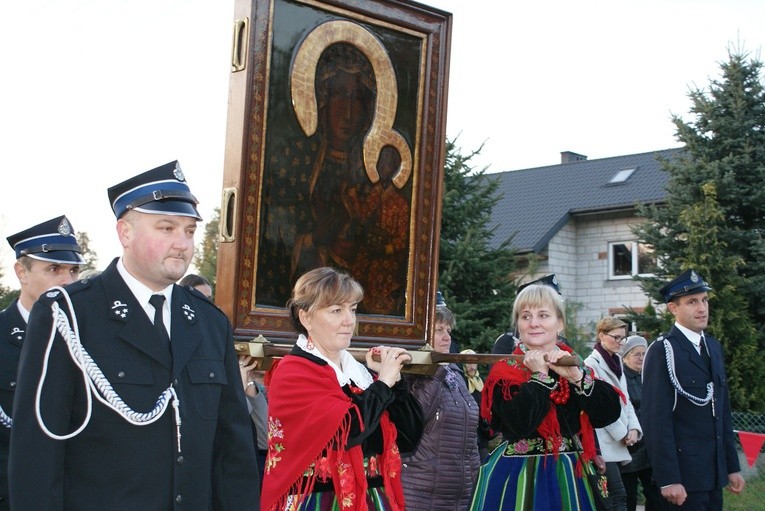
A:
(752, 422)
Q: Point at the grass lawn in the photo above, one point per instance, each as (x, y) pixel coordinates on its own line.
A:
(751, 499)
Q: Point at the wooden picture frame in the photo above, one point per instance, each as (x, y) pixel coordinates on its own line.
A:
(334, 156)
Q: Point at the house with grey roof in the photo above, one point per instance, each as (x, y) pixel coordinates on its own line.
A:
(576, 220)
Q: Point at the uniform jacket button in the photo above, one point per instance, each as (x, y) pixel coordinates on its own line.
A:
(179, 499)
(212, 375)
(13, 384)
(121, 374)
(180, 459)
(175, 382)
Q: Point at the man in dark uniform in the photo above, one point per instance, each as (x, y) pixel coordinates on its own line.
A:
(686, 413)
(47, 255)
(506, 342)
(168, 428)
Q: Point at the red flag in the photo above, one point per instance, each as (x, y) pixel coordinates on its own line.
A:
(752, 443)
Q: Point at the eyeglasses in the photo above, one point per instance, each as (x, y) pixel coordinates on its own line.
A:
(618, 338)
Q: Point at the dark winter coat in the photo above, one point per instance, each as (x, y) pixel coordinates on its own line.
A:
(638, 451)
(441, 472)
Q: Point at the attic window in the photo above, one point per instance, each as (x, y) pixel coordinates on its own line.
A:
(621, 176)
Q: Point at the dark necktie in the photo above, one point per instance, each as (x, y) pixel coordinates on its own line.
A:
(704, 352)
(157, 301)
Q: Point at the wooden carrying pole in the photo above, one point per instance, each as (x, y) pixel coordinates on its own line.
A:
(423, 361)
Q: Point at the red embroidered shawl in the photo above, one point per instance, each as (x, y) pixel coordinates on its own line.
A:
(309, 418)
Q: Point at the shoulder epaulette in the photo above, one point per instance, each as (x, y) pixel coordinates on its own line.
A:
(78, 286)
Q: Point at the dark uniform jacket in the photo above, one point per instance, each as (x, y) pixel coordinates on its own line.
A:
(113, 464)
(686, 443)
(12, 329)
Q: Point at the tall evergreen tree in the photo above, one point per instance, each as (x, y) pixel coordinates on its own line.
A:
(725, 145)
(6, 295)
(206, 253)
(724, 158)
(473, 277)
(90, 255)
(730, 319)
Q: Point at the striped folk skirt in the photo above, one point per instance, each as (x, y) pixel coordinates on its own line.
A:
(508, 481)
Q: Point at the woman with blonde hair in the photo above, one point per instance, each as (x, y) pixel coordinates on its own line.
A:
(546, 412)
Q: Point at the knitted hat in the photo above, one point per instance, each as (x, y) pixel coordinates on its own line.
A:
(632, 342)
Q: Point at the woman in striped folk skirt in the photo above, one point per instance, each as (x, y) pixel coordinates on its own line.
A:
(546, 413)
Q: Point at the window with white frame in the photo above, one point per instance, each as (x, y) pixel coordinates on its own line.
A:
(628, 258)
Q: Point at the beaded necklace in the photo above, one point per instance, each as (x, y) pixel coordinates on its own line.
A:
(560, 395)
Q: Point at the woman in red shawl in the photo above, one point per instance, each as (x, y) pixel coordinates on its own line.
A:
(335, 431)
(546, 415)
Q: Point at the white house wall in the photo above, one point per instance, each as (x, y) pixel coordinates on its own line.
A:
(578, 254)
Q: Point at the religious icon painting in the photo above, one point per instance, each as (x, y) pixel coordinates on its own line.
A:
(334, 157)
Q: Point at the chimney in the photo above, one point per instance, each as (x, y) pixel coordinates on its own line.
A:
(571, 157)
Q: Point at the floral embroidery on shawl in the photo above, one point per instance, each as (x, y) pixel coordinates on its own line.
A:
(302, 450)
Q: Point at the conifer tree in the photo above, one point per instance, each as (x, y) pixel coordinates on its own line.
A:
(206, 253)
(473, 277)
(6, 296)
(724, 159)
(90, 255)
(730, 320)
(724, 145)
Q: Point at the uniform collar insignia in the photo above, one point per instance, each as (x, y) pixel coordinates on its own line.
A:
(17, 333)
(52, 294)
(120, 309)
(188, 312)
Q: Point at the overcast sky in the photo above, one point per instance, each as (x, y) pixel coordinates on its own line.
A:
(96, 91)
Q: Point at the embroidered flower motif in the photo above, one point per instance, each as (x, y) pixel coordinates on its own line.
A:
(275, 428)
(275, 431)
(526, 446)
(323, 471)
(347, 500)
(521, 447)
(347, 496)
(372, 467)
(603, 486)
(346, 479)
(393, 462)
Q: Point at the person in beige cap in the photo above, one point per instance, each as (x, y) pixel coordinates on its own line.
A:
(632, 353)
